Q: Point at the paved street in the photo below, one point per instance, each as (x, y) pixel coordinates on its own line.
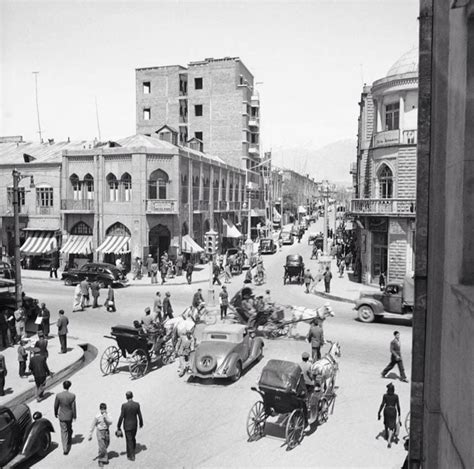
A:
(203, 424)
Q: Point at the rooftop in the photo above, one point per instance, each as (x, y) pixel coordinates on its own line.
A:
(407, 63)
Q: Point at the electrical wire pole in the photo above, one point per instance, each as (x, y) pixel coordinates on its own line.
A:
(37, 107)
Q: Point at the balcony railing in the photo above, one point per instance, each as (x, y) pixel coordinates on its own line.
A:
(44, 210)
(254, 121)
(353, 168)
(200, 205)
(383, 207)
(161, 206)
(410, 137)
(253, 147)
(7, 210)
(222, 205)
(386, 138)
(84, 205)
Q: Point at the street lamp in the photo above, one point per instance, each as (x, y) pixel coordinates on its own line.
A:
(324, 190)
(17, 177)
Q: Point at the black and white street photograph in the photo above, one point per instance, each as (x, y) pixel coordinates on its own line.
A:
(236, 234)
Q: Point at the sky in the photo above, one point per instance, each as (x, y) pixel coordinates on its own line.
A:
(310, 57)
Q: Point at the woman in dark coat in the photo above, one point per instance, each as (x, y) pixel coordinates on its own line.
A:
(391, 407)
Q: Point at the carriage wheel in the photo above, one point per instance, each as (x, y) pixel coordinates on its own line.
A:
(167, 353)
(294, 429)
(323, 411)
(138, 363)
(109, 360)
(256, 421)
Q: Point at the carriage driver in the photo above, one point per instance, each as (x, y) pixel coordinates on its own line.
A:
(305, 366)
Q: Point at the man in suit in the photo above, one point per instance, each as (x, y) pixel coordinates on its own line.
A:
(65, 411)
(40, 371)
(45, 316)
(95, 292)
(316, 338)
(395, 358)
(84, 286)
(129, 415)
(42, 344)
(167, 308)
(63, 321)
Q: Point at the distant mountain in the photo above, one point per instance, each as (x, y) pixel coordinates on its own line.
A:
(330, 162)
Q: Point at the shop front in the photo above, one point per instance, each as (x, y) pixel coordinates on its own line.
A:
(40, 249)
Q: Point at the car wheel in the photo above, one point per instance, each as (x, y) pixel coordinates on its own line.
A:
(238, 372)
(44, 444)
(366, 314)
(68, 282)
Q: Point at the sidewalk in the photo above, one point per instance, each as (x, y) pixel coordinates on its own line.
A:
(344, 288)
(200, 275)
(19, 390)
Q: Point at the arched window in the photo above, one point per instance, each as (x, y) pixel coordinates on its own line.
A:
(113, 185)
(223, 190)
(76, 187)
(231, 192)
(184, 188)
(89, 186)
(206, 189)
(81, 228)
(117, 229)
(126, 182)
(157, 184)
(385, 182)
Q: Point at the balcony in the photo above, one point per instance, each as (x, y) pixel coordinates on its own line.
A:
(84, 205)
(254, 121)
(253, 147)
(200, 205)
(384, 207)
(386, 138)
(410, 137)
(353, 168)
(161, 206)
(44, 210)
(7, 210)
(222, 206)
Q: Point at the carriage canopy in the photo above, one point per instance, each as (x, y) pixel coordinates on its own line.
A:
(282, 376)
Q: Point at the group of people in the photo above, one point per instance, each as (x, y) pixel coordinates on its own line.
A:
(37, 354)
(87, 289)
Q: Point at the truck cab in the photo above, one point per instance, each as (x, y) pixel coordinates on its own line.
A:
(396, 298)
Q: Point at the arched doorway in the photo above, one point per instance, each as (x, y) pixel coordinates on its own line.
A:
(119, 230)
(159, 239)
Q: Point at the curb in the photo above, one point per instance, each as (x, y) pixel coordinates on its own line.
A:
(334, 297)
(30, 393)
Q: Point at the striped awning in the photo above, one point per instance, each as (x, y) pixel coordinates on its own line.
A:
(39, 242)
(115, 245)
(230, 230)
(78, 244)
(187, 244)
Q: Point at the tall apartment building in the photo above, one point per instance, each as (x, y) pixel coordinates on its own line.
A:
(384, 206)
(212, 100)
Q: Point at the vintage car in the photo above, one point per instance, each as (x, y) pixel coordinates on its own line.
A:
(225, 351)
(293, 269)
(22, 436)
(396, 298)
(287, 237)
(105, 274)
(267, 246)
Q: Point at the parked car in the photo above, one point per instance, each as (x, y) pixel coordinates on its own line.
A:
(225, 351)
(105, 274)
(267, 246)
(22, 436)
(286, 237)
(396, 298)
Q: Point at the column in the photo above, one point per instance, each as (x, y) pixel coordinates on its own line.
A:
(379, 127)
(190, 196)
(401, 114)
(211, 197)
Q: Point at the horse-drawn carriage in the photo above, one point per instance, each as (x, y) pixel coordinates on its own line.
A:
(294, 269)
(138, 348)
(285, 396)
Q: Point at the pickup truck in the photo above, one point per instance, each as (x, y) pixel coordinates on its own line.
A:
(396, 298)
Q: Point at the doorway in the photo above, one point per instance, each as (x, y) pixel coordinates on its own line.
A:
(159, 239)
(379, 254)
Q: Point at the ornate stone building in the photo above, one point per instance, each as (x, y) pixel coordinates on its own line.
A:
(384, 204)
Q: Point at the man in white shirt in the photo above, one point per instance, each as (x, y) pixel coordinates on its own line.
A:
(101, 424)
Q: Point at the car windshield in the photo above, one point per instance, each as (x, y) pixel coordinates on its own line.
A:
(222, 337)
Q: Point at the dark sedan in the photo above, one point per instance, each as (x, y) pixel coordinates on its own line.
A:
(22, 436)
(105, 274)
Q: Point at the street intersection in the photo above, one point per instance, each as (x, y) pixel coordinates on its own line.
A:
(203, 424)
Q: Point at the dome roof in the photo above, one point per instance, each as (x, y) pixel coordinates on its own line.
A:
(407, 63)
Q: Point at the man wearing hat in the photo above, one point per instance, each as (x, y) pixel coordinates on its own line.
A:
(316, 338)
(167, 308)
(42, 344)
(45, 315)
(305, 366)
(40, 371)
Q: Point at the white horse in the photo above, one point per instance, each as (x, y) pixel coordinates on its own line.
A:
(301, 317)
(325, 369)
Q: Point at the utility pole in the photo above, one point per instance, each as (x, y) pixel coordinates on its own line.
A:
(37, 107)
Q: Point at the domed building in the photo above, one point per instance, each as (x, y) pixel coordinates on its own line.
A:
(384, 176)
